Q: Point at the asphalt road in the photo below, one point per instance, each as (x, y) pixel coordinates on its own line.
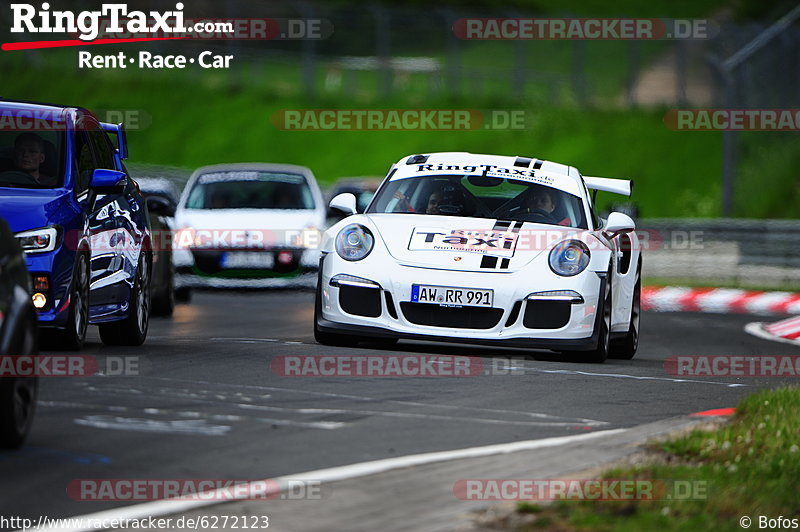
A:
(206, 404)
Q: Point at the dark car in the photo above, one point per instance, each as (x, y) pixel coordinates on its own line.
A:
(81, 221)
(162, 196)
(18, 326)
(363, 188)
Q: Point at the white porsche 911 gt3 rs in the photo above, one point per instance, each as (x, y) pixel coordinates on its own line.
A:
(483, 249)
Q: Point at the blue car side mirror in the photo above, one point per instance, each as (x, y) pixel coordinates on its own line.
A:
(108, 181)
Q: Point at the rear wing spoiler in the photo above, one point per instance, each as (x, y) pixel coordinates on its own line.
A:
(122, 137)
(607, 184)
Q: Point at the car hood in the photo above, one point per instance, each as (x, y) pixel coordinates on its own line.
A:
(465, 244)
(275, 226)
(247, 219)
(25, 208)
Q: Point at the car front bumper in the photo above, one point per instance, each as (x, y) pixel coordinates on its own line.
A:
(514, 320)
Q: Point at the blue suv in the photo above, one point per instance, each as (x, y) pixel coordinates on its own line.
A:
(81, 221)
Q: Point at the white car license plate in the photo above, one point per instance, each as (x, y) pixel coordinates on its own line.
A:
(248, 259)
(451, 296)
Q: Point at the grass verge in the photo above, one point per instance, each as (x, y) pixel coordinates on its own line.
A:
(749, 467)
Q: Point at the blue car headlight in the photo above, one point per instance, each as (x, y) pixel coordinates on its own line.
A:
(569, 258)
(354, 242)
(38, 240)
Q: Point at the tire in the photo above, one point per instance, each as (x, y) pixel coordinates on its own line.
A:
(72, 337)
(600, 353)
(133, 329)
(326, 338)
(164, 303)
(625, 348)
(183, 295)
(18, 396)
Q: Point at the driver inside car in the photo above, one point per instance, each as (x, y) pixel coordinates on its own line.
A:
(29, 155)
(540, 203)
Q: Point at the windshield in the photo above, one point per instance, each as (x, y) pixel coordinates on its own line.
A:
(251, 190)
(31, 159)
(479, 196)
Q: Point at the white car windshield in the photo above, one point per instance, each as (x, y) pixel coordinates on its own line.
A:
(479, 196)
(250, 190)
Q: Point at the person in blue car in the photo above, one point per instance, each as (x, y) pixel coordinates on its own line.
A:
(29, 155)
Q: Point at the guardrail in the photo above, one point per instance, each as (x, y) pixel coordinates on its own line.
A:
(725, 250)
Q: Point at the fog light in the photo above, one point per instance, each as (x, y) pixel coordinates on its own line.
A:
(39, 300)
(41, 282)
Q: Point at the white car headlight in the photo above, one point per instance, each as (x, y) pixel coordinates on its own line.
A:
(38, 240)
(354, 242)
(569, 258)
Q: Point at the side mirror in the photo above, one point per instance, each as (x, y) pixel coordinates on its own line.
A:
(108, 181)
(618, 224)
(345, 202)
(160, 206)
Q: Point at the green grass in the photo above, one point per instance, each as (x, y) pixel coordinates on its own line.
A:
(749, 466)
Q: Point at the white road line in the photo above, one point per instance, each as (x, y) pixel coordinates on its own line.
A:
(635, 377)
(177, 426)
(333, 474)
(538, 415)
(412, 415)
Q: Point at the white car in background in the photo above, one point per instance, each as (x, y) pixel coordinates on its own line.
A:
(248, 225)
(483, 249)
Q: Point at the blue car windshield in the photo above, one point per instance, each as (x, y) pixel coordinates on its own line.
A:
(31, 159)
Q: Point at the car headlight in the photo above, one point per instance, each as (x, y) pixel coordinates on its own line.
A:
(569, 258)
(38, 240)
(354, 242)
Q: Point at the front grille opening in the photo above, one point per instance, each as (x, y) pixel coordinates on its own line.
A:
(454, 317)
(390, 305)
(512, 318)
(360, 301)
(546, 314)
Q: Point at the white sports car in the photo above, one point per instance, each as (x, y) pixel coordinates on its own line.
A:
(247, 225)
(483, 249)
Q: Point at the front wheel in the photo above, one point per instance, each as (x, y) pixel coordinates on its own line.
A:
(600, 353)
(74, 334)
(18, 396)
(133, 329)
(164, 303)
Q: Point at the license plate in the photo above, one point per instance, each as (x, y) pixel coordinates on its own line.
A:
(451, 296)
(262, 260)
